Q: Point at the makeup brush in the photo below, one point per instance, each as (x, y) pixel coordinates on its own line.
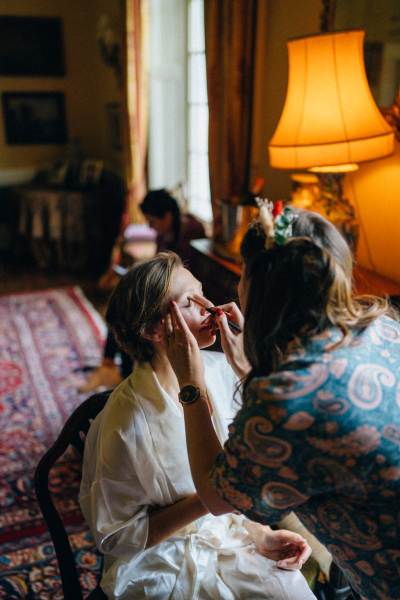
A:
(212, 310)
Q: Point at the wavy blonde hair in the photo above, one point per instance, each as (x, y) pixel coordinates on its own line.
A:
(299, 289)
(140, 301)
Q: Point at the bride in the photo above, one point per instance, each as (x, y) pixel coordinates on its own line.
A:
(137, 493)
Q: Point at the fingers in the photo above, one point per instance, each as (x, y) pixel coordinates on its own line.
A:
(178, 322)
(297, 558)
(289, 564)
(234, 313)
(168, 327)
(290, 537)
(305, 553)
(222, 322)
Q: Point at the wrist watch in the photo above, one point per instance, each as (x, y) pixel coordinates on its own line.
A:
(189, 394)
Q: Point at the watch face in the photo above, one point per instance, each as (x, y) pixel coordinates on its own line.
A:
(189, 394)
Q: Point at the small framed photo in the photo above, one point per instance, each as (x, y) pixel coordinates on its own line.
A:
(34, 118)
(91, 171)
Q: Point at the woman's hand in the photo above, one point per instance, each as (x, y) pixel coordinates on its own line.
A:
(232, 343)
(183, 350)
(288, 548)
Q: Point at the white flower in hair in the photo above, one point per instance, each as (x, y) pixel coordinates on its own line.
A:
(266, 219)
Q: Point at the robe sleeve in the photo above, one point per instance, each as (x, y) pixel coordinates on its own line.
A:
(113, 497)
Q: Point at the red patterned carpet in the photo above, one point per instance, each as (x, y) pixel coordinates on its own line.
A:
(45, 338)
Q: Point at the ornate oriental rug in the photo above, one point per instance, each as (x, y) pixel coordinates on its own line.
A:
(45, 338)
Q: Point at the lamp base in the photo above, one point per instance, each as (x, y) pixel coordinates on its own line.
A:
(332, 204)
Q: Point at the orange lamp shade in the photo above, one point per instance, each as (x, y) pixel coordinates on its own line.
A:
(329, 117)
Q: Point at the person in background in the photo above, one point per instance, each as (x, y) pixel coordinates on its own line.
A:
(137, 494)
(174, 231)
(318, 431)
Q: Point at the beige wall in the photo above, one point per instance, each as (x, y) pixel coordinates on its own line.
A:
(88, 84)
(374, 189)
(278, 22)
(375, 192)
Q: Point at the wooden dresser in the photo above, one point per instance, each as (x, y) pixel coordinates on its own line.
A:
(220, 276)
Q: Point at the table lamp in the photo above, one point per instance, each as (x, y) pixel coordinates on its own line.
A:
(330, 121)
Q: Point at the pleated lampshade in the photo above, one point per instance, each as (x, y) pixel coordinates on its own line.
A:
(330, 118)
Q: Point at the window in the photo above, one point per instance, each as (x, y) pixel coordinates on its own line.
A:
(178, 132)
(197, 156)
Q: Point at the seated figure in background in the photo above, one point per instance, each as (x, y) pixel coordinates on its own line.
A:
(137, 493)
(174, 231)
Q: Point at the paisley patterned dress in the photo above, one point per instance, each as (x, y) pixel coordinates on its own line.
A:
(321, 436)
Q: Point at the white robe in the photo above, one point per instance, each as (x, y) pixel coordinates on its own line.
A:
(135, 457)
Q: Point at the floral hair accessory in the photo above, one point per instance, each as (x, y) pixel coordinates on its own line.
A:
(276, 222)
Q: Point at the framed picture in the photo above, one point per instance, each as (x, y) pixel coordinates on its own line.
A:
(31, 46)
(114, 127)
(91, 171)
(34, 118)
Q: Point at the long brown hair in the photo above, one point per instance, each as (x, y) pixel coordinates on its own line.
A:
(299, 289)
(139, 301)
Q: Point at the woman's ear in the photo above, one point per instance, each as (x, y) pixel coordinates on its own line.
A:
(154, 332)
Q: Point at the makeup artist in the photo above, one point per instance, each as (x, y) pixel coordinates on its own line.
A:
(318, 431)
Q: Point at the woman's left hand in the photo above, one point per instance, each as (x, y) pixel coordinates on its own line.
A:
(288, 548)
(183, 350)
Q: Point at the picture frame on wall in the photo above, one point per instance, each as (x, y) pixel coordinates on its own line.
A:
(31, 46)
(34, 118)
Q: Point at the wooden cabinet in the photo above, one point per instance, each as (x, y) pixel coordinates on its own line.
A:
(71, 229)
(220, 276)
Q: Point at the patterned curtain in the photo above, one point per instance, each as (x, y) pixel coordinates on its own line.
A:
(230, 28)
(135, 92)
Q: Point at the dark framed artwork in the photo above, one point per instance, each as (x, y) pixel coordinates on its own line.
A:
(31, 46)
(34, 118)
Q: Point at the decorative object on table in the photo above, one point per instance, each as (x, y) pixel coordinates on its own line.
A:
(114, 125)
(109, 43)
(330, 121)
(236, 214)
(91, 171)
(58, 173)
(305, 190)
(31, 46)
(34, 118)
(50, 336)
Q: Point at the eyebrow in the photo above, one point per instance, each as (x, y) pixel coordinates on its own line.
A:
(194, 289)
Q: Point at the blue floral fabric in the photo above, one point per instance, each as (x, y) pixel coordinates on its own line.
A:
(321, 436)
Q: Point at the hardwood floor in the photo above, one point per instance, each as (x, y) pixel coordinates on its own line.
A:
(15, 279)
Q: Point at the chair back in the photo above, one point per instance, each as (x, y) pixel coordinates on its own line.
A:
(73, 433)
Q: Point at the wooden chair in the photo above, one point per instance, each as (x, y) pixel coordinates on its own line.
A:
(73, 433)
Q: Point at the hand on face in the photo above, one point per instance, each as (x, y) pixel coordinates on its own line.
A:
(187, 328)
(183, 350)
(183, 288)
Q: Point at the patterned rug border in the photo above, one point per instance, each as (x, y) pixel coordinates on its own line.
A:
(78, 295)
(63, 332)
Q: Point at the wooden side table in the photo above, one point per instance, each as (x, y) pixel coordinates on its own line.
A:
(220, 276)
